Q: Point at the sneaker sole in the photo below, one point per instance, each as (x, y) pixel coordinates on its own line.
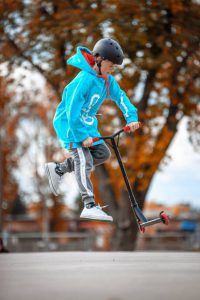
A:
(92, 219)
(48, 174)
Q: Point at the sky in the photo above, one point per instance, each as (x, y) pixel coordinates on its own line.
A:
(179, 181)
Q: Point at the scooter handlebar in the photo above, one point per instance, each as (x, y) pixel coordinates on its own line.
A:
(127, 128)
(96, 139)
(124, 129)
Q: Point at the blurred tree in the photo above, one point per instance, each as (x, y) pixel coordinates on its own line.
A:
(161, 41)
(194, 129)
(8, 187)
(18, 207)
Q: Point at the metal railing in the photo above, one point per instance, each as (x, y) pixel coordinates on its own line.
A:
(175, 241)
(56, 241)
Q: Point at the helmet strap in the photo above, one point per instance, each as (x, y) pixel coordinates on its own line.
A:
(99, 65)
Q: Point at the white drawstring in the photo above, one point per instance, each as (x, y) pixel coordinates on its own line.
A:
(101, 207)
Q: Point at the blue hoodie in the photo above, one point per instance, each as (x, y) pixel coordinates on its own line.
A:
(75, 118)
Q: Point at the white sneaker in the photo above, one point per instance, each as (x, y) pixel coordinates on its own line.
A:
(95, 213)
(53, 177)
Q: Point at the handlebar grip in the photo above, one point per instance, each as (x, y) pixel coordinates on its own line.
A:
(95, 139)
(127, 128)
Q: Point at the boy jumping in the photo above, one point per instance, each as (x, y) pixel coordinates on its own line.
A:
(75, 122)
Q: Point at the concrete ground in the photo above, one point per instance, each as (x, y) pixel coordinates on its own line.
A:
(100, 276)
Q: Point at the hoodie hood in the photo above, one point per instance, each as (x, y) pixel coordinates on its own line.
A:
(83, 59)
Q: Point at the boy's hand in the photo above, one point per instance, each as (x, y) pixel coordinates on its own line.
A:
(134, 126)
(88, 142)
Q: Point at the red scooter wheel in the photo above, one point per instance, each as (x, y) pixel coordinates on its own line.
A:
(141, 228)
(164, 218)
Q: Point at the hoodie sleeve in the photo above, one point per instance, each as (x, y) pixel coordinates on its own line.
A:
(75, 104)
(119, 97)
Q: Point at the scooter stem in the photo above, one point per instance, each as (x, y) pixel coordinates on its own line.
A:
(122, 168)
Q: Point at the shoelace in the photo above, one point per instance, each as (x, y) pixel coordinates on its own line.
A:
(101, 207)
(58, 171)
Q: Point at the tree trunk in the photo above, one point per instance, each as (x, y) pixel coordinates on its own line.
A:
(125, 235)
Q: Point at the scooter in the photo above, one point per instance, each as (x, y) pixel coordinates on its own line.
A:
(142, 221)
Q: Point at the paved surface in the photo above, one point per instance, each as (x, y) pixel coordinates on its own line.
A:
(100, 276)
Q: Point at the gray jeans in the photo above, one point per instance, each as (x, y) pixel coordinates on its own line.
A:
(82, 162)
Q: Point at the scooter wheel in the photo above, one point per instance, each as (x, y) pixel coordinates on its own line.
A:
(141, 228)
(164, 218)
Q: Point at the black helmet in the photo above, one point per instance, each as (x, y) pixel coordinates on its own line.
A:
(109, 49)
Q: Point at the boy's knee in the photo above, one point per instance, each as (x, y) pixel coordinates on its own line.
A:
(105, 154)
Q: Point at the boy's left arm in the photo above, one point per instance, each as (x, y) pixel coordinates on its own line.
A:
(128, 109)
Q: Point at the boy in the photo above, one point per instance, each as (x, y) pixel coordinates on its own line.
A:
(75, 122)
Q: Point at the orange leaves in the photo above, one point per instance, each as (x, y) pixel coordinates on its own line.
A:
(41, 111)
(178, 7)
(12, 125)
